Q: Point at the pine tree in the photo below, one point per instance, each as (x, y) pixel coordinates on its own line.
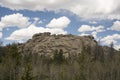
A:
(27, 75)
(111, 53)
(27, 72)
(15, 57)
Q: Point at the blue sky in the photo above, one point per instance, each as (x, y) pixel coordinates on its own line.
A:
(20, 19)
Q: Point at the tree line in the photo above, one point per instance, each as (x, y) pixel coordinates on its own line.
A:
(87, 65)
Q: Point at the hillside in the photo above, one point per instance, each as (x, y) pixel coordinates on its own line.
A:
(45, 43)
(59, 57)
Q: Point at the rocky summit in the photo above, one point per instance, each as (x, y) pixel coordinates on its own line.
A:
(46, 43)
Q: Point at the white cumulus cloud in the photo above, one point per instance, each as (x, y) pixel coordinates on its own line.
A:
(99, 28)
(92, 29)
(94, 33)
(55, 26)
(83, 8)
(0, 34)
(92, 22)
(83, 34)
(61, 22)
(111, 38)
(116, 26)
(87, 28)
(27, 33)
(117, 47)
(13, 20)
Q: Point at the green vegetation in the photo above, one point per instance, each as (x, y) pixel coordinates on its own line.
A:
(27, 72)
(87, 65)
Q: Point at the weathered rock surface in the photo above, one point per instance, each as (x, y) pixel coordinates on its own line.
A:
(45, 43)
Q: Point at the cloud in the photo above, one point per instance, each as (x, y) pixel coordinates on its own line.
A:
(92, 30)
(92, 22)
(2, 25)
(117, 47)
(60, 23)
(83, 8)
(94, 33)
(40, 22)
(27, 33)
(0, 34)
(99, 28)
(24, 34)
(111, 38)
(83, 34)
(87, 28)
(13, 20)
(115, 26)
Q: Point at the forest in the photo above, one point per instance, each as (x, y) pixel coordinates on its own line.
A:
(87, 65)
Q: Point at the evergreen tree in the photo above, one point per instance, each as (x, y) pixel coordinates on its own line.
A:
(27, 74)
(111, 52)
(16, 58)
(28, 69)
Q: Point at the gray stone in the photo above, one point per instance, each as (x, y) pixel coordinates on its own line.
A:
(47, 43)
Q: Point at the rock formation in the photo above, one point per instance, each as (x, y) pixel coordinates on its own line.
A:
(45, 43)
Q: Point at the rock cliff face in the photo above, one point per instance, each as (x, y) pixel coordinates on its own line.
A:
(45, 43)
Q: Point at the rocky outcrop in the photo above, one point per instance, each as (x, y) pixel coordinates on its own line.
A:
(45, 43)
